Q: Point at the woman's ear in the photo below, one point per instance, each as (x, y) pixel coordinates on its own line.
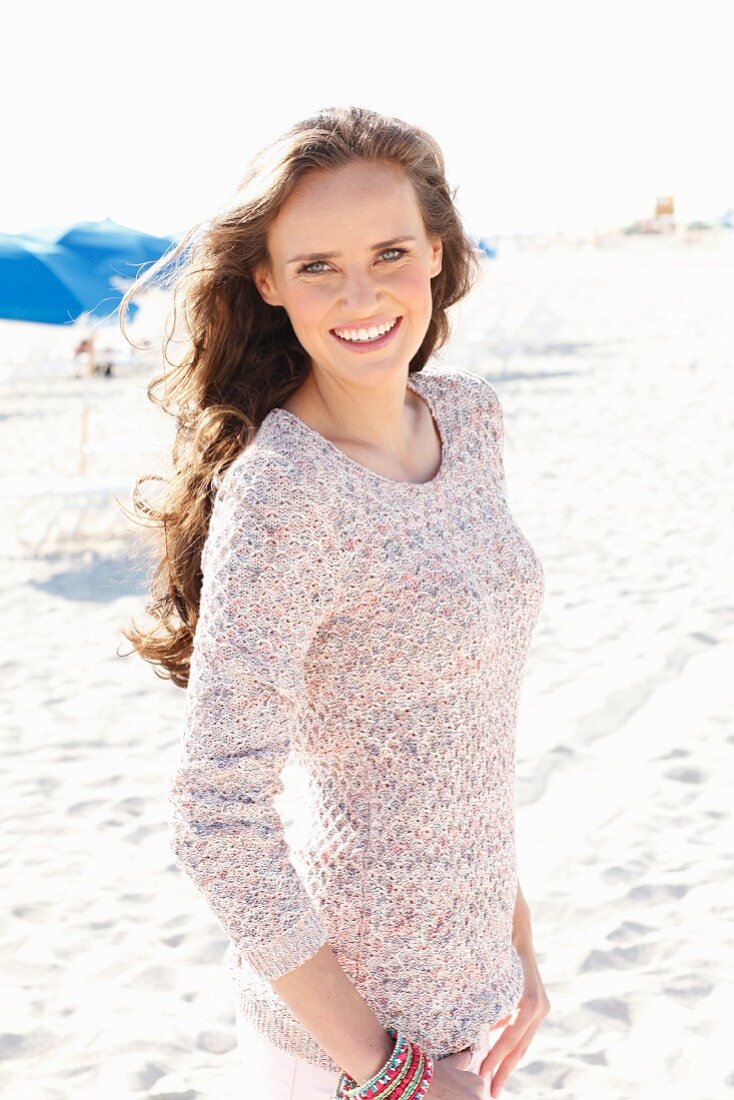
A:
(436, 256)
(263, 280)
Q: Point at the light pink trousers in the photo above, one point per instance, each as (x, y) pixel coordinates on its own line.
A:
(272, 1074)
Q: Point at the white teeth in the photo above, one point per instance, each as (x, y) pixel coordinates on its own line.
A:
(363, 334)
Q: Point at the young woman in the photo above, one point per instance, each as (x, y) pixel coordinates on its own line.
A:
(344, 585)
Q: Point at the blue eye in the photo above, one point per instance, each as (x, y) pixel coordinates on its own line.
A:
(306, 269)
(307, 266)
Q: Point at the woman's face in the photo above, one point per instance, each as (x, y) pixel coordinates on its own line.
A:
(349, 251)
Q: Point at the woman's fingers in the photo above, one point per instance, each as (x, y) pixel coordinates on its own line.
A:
(502, 1022)
(505, 1068)
(507, 1052)
(460, 1059)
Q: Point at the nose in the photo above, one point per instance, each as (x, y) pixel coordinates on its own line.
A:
(360, 294)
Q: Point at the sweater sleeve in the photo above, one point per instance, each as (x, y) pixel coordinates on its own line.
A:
(489, 417)
(496, 433)
(269, 569)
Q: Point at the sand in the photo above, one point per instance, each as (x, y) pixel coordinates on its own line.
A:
(614, 362)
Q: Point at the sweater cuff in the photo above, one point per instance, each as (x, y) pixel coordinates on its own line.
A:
(276, 957)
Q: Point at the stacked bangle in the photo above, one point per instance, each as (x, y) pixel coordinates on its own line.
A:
(405, 1076)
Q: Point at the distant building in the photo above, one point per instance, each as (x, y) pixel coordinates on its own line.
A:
(664, 207)
(662, 221)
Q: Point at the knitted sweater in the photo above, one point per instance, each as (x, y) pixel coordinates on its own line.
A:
(372, 633)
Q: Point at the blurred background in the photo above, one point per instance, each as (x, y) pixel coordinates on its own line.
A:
(590, 147)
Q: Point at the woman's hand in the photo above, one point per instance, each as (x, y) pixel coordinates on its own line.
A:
(453, 1081)
(512, 1044)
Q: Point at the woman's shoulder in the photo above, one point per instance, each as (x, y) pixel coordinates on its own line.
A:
(466, 391)
(266, 481)
(276, 455)
(258, 469)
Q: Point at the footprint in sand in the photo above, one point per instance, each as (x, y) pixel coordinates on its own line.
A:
(619, 958)
(82, 807)
(217, 1042)
(31, 1044)
(688, 987)
(686, 775)
(612, 1007)
(133, 806)
(629, 930)
(655, 892)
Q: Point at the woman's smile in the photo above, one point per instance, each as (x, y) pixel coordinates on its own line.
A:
(367, 338)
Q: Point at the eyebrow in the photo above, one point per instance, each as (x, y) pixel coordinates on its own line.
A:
(333, 255)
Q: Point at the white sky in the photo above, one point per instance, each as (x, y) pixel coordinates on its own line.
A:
(551, 115)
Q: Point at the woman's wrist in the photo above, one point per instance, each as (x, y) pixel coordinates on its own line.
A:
(405, 1074)
(325, 1001)
(372, 1061)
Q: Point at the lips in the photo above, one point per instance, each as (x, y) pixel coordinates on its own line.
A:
(344, 332)
(368, 345)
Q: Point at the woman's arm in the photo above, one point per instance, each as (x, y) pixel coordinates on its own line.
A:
(267, 578)
(533, 1006)
(321, 996)
(522, 936)
(270, 572)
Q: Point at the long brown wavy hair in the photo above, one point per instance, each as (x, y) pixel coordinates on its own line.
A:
(241, 357)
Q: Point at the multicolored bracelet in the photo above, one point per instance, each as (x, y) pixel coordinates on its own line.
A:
(405, 1076)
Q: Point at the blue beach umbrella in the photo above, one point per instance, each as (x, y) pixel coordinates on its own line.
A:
(107, 248)
(42, 282)
(487, 248)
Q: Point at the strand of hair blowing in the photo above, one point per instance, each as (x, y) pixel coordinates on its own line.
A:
(240, 357)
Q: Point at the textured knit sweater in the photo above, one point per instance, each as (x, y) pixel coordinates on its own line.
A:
(372, 633)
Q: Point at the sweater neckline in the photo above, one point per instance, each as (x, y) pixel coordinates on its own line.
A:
(423, 392)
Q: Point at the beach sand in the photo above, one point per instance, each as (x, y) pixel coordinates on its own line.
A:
(615, 367)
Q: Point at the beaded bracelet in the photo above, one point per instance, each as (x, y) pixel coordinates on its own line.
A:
(405, 1076)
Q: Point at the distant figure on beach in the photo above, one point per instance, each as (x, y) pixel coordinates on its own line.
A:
(342, 587)
(96, 363)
